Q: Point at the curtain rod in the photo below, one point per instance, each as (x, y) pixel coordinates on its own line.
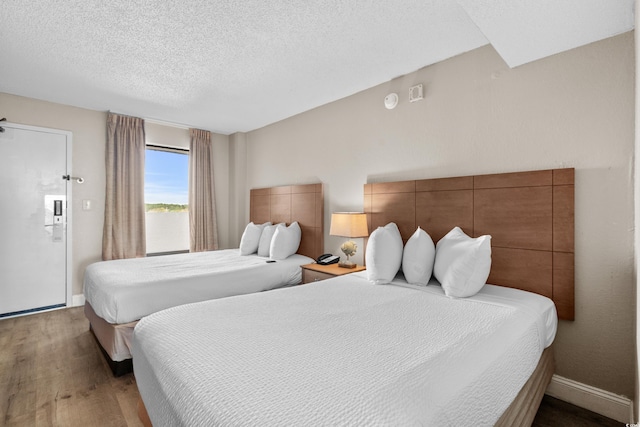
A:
(163, 123)
(155, 121)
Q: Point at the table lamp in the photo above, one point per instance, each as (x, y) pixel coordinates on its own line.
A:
(349, 224)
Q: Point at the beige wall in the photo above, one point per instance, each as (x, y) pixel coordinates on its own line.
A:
(89, 136)
(238, 196)
(636, 399)
(575, 109)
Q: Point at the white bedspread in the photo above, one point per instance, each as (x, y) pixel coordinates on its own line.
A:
(121, 291)
(341, 352)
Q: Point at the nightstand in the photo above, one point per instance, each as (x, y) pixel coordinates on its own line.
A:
(316, 272)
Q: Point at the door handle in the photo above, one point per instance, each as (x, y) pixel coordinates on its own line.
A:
(77, 179)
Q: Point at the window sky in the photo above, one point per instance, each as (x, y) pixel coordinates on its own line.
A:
(166, 177)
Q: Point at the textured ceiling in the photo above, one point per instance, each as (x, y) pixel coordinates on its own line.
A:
(234, 66)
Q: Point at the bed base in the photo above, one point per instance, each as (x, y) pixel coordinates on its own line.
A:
(113, 341)
(117, 368)
(143, 415)
(521, 412)
(523, 409)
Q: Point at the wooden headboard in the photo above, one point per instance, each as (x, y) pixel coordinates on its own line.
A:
(302, 203)
(530, 216)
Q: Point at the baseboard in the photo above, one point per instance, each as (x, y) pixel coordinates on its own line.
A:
(594, 399)
(77, 300)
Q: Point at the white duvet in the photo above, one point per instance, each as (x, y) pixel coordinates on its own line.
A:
(122, 291)
(341, 352)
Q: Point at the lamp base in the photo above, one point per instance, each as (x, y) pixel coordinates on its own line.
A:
(347, 264)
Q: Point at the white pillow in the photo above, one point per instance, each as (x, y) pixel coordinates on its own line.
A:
(384, 254)
(462, 263)
(418, 257)
(264, 246)
(251, 238)
(285, 241)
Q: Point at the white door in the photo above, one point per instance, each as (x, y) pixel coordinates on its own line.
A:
(34, 273)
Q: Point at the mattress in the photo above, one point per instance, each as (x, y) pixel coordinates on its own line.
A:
(342, 352)
(122, 291)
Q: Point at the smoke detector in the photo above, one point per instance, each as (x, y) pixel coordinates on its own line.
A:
(390, 101)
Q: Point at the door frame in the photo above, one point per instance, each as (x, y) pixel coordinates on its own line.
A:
(69, 241)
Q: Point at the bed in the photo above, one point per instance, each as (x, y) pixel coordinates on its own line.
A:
(120, 292)
(347, 352)
(342, 352)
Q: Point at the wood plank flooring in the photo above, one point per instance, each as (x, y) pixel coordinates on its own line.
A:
(554, 412)
(53, 374)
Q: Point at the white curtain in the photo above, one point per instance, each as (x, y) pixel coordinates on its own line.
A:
(202, 206)
(124, 215)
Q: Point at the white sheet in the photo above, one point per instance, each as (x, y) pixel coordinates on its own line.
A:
(121, 291)
(341, 352)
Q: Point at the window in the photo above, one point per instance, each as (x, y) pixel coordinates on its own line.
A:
(166, 181)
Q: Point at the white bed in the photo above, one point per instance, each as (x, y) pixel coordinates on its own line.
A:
(342, 352)
(120, 292)
(347, 352)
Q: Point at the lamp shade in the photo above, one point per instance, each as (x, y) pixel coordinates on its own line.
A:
(349, 224)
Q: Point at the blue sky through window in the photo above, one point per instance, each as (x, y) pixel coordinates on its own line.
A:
(166, 177)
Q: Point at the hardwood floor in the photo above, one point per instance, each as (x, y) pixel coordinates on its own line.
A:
(53, 374)
(554, 412)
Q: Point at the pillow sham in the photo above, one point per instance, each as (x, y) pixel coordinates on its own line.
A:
(384, 254)
(462, 263)
(251, 238)
(418, 258)
(264, 246)
(285, 241)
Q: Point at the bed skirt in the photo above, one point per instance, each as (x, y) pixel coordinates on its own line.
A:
(521, 412)
(114, 341)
